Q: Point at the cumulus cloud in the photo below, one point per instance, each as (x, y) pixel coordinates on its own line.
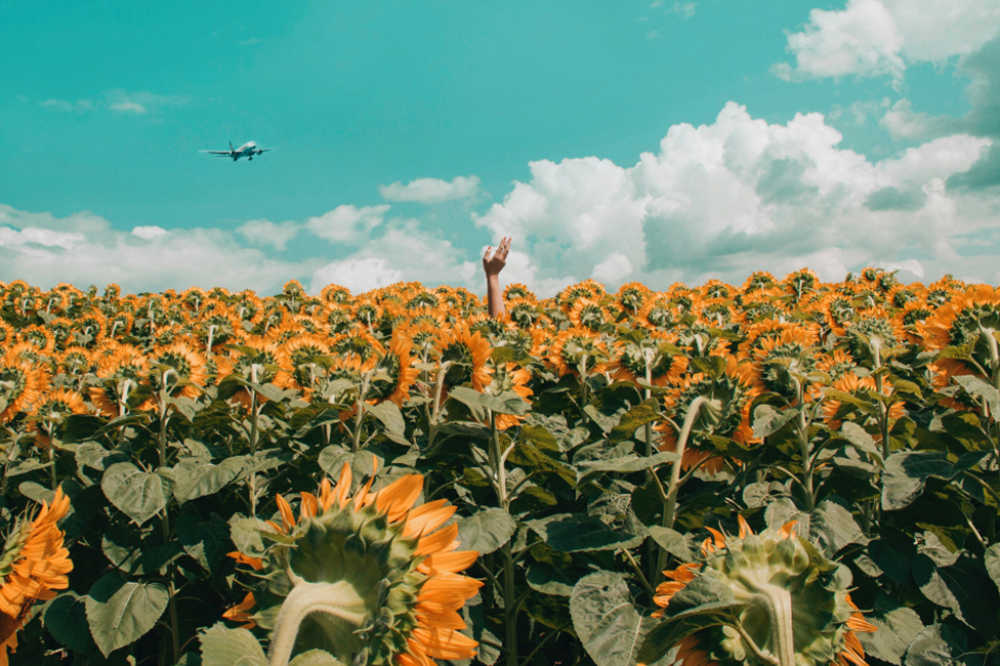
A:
(739, 195)
(404, 252)
(83, 249)
(148, 232)
(879, 37)
(347, 223)
(141, 102)
(431, 190)
(265, 232)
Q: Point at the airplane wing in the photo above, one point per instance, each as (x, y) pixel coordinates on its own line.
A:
(215, 152)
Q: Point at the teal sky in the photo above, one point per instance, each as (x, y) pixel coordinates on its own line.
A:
(105, 105)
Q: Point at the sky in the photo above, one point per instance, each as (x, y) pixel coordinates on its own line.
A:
(651, 141)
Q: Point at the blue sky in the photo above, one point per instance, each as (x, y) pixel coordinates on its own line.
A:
(650, 141)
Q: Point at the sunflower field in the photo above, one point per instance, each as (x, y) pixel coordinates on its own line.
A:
(786, 472)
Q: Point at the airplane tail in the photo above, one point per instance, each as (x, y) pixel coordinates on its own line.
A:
(231, 149)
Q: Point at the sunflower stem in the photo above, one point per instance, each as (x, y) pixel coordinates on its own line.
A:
(652, 549)
(337, 599)
(807, 468)
(778, 602)
(670, 506)
(161, 441)
(499, 479)
(359, 417)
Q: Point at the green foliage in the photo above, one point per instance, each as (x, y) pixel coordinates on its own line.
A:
(575, 493)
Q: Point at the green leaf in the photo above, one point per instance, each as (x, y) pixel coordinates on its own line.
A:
(861, 440)
(625, 464)
(992, 561)
(66, 619)
(194, 479)
(387, 412)
(570, 533)
(221, 646)
(245, 533)
(767, 420)
(315, 658)
(332, 459)
(834, 527)
(604, 422)
(977, 388)
(120, 613)
(605, 619)
(507, 402)
(547, 579)
(907, 471)
(486, 530)
(672, 541)
(935, 586)
(203, 539)
(933, 647)
(896, 630)
(139, 495)
(645, 412)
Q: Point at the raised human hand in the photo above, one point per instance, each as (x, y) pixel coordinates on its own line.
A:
(493, 264)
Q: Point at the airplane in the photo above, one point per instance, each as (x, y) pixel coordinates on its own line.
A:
(247, 150)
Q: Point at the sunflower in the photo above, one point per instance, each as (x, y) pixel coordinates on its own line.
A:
(656, 312)
(852, 383)
(466, 353)
(50, 413)
(758, 574)
(588, 313)
(732, 393)
(33, 563)
(23, 385)
(120, 365)
(759, 280)
(510, 377)
(396, 363)
(873, 331)
(380, 578)
(361, 344)
(570, 347)
(629, 358)
(970, 319)
(334, 293)
(173, 363)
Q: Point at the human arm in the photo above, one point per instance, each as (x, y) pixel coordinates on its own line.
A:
(492, 266)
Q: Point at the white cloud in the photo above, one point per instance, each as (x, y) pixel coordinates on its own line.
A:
(128, 107)
(347, 223)
(739, 195)
(149, 232)
(683, 9)
(82, 249)
(403, 252)
(141, 102)
(904, 123)
(860, 111)
(359, 274)
(878, 37)
(614, 269)
(265, 232)
(431, 190)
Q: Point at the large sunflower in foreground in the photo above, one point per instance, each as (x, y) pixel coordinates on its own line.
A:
(370, 578)
(775, 599)
(33, 563)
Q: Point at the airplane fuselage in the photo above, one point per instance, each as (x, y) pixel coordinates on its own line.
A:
(247, 150)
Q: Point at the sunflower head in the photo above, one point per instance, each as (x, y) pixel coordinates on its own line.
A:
(369, 578)
(775, 594)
